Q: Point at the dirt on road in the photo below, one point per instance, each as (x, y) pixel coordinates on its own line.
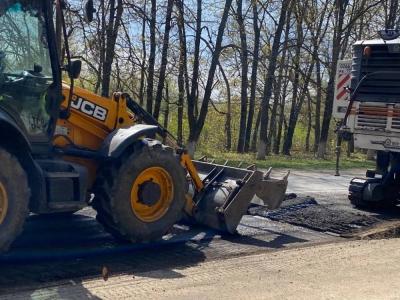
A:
(366, 269)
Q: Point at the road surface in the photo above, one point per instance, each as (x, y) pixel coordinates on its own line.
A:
(297, 251)
(350, 270)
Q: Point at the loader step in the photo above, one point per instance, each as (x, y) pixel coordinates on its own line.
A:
(67, 205)
(66, 186)
(61, 175)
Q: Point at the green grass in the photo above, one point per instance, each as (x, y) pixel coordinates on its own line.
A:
(213, 135)
(296, 161)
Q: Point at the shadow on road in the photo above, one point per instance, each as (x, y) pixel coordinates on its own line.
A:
(279, 240)
(65, 247)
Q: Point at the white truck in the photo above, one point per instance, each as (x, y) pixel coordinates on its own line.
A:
(367, 99)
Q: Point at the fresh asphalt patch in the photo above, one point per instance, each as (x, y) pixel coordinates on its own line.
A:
(307, 212)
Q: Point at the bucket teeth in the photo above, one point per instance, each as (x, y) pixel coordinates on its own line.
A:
(203, 158)
(272, 190)
(228, 191)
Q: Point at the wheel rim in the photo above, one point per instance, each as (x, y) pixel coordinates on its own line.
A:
(152, 193)
(3, 203)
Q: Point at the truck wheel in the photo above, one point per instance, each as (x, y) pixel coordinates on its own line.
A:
(14, 199)
(142, 195)
(366, 205)
(388, 201)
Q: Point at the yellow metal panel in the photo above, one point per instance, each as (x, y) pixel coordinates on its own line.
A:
(187, 163)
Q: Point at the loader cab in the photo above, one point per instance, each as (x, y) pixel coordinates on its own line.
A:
(30, 73)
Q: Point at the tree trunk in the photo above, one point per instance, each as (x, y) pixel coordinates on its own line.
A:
(309, 121)
(166, 110)
(182, 42)
(164, 60)
(294, 115)
(192, 103)
(195, 131)
(182, 73)
(262, 144)
(228, 118)
(152, 58)
(277, 144)
(296, 98)
(277, 91)
(317, 120)
(253, 147)
(181, 78)
(244, 78)
(392, 15)
(114, 23)
(254, 73)
(336, 47)
(144, 56)
(101, 32)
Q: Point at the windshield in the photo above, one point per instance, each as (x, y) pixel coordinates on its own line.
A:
(23, 37)
(25, 65)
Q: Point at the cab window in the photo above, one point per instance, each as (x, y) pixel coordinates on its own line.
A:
(25, 67)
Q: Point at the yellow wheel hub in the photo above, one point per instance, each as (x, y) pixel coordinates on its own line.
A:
(3, 203)
(152, 194)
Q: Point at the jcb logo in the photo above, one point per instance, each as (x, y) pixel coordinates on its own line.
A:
(89, 108)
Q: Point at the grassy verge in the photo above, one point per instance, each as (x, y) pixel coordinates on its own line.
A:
(296, 161)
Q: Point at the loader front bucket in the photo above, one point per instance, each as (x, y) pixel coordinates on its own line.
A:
(228, 191)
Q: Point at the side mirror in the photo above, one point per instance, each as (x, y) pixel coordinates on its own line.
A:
(89, 11)
(37, 68)
(74, 69)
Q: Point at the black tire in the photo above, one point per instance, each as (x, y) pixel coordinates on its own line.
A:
(15, 183)
(113, 193)
(372, 206)
(361, 204)
(356, 199)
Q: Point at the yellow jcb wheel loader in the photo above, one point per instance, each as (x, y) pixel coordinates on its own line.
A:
(63, 148)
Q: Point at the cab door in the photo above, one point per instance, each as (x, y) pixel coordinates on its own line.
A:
(30, 85)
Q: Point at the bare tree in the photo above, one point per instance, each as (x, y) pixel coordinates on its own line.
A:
(244, 78)
(262, 144)
(144, 56)
(392, 14)
(114, 22)
(195, 130)
(152, 57)
(254, 75)
(164, 60)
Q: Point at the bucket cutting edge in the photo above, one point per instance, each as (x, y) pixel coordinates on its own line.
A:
(228, 191)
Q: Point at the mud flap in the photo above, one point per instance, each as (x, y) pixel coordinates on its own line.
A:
(228, 191)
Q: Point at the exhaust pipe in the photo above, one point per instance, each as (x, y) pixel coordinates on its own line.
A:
(228, 191)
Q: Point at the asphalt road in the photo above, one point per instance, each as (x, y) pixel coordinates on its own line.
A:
(343, 270)
(321, 182)
(54, 251)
